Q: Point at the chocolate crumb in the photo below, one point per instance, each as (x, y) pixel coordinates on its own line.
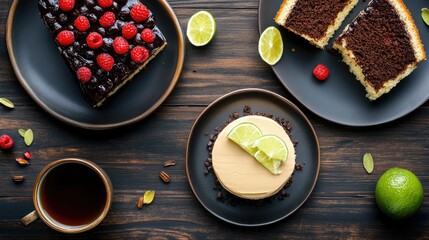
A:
(299, 166)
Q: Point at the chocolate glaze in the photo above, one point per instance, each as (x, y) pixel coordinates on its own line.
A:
(79, 54)
(313, 17)
(381, 46)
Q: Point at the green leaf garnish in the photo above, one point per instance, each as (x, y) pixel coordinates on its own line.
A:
(425, 15)
(21, 132)
(7, 103)
(28, 137)
(368, 163)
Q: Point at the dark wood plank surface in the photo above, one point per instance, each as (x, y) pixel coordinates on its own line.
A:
(342, 205)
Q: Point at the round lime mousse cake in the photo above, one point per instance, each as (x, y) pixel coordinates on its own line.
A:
(240, 173)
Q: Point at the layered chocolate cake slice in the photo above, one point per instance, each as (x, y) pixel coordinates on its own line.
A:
(381, 46)
(105, 42)
(315, 20)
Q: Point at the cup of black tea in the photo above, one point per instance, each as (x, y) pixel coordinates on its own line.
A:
(71, 196)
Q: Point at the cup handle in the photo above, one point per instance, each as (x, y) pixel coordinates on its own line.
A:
(29, 218)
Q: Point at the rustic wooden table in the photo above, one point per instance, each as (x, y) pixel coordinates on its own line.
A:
(341, 206)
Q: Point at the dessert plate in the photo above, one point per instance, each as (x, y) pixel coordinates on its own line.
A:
(307, 151)
(43, 73)
(341, 98)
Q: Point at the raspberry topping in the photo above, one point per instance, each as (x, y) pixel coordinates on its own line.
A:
(139, 13)
(65, 38)
(139, 54)
(148, 35)
(81, 23)
(105, 3)
(105, 61)
(94, 40)
(321, 72)
(129, 30)
(120, 45)
(84, 74)
(108, 19)
(6, 142)
(66, 5)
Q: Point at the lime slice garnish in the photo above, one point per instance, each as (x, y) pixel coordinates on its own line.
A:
(201, 28)
(270, 164)
(245, 134)
(270, 45)
(272, 146)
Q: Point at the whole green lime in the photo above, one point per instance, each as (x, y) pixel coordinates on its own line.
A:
(399, 193)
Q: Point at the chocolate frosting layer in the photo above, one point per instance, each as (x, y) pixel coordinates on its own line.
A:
(79, 54)
(313, 17)
(381, 46)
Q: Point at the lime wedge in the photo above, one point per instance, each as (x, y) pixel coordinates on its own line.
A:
(245, 134)
(272, 146)
(270, 45)
(201, 28)
(270, 164)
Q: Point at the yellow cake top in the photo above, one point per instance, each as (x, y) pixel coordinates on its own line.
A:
(240, 173)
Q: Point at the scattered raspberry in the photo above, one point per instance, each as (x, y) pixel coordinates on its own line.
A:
(65, 38)
(148, 35)
(105, 3)
(94, 40)
(108, 19)
(129, 30)
(139, 54)
(66, 5)
(321, 72)
(120, 45)
(139, 13)
(105, 61)
(81, 23)
(84, 74)
(6, 142)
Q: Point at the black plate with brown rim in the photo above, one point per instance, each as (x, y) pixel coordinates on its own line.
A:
(46, 77)
(307, 151)
(341, 98)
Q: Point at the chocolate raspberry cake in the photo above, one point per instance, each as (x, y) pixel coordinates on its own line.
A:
(104, 42)
(315, 20)
(381, 46)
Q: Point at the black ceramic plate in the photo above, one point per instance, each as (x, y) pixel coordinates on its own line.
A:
(341, 98)
(307, 151)
(45, 76)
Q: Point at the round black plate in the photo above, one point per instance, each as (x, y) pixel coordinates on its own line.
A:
(46, 77)
(307, 151)
(341, 98)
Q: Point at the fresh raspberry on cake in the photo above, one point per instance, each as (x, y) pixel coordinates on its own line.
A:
(105, 61)
(129, 31)
(105, 3)
(94, 40)
(139, 13)
(139, 54)
(84, 74)
(120, 45)
(82, 23)
(65, 38)
(148, 35)
(66, 5)
(108, 19)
